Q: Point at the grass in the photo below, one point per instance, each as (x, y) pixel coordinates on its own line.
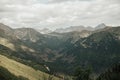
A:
(20, 69)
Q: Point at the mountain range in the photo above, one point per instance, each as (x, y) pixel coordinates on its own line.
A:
(72, 29)
(64, 49)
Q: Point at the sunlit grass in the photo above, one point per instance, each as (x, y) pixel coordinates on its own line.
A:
(20, 69)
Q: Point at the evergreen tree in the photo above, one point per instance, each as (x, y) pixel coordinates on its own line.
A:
(82, 74)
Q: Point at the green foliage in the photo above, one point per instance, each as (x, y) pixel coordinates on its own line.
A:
(111, 74)
(82, 74)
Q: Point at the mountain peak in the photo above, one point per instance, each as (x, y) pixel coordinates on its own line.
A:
(100, 26)
(6, 28)
(3, 26)
(44, 31)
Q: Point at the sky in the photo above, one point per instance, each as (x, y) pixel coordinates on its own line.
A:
(54, 14)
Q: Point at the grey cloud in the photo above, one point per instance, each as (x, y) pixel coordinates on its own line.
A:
(36, 14)
(52, 1)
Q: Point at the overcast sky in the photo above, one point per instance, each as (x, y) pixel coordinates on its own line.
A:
(59, 13)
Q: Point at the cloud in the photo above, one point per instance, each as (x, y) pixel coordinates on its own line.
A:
(59, 13)
(57, 1)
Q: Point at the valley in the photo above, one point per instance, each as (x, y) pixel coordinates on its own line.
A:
(26, 52)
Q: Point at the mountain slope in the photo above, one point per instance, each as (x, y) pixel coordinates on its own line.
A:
(6, 75)
(19, 69)
(111, 73)
(99, 47)
(6, 29)
(62, 52)
(27, 34)
(100, 26)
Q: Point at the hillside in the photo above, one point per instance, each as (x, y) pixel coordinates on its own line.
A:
(62, 52)
(112, 73)
(19, 69)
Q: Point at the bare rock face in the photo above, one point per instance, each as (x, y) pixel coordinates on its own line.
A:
(100, 26)
(27, 34)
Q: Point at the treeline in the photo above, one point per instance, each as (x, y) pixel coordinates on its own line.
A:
(112, 73)
(79, 74)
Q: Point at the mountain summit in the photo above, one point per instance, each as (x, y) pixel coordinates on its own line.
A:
(100, 26)
(6, 29)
